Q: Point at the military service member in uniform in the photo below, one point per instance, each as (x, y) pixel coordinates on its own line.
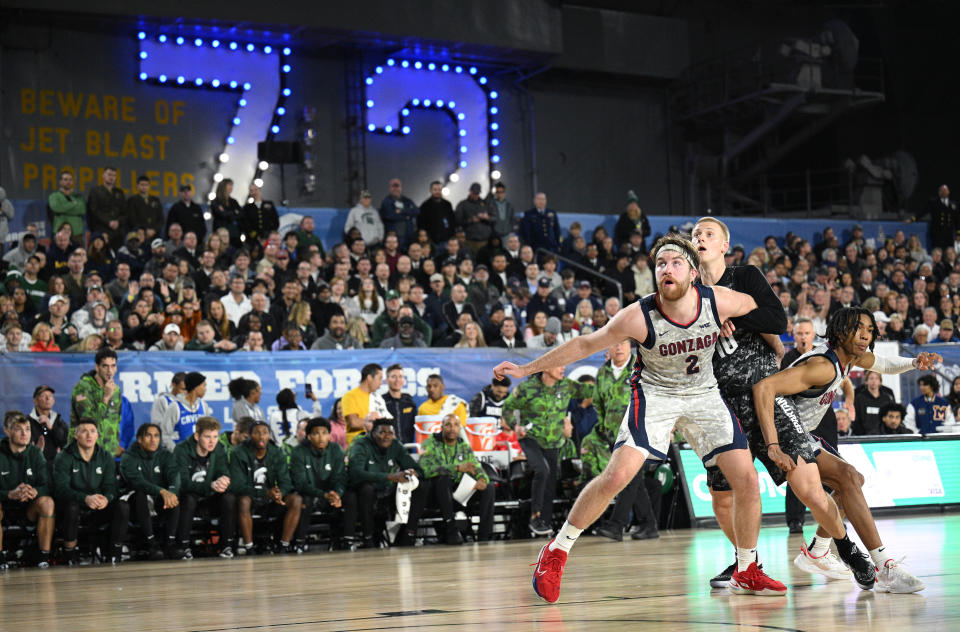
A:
(106, 208)
(144, 210)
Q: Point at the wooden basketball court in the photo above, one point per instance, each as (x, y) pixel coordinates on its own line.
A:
(659, 584)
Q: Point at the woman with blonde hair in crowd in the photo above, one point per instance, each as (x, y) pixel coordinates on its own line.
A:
(338, 296)
(90, 344)
(357, 328)
(301, 315)
(222, 326)
(758, 257)
(583, 318)
(42, 339)
(915, 249)
(472, 337)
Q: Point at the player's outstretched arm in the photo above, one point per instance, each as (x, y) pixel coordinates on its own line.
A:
(731, 304)
(815, 371)
(894, 365)
(628, 323)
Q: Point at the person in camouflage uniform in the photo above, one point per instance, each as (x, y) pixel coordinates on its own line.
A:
(97, 396)
(611, 402)
(445, 459)
(537, 409)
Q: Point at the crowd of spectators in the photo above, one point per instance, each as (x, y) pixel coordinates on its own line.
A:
(122, 274)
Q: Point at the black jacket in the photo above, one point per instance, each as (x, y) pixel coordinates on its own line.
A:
(450, 313)
(190, 219)
(54, 439)
(258, 221)
(403, 410)
(436, 217)
(518, 342)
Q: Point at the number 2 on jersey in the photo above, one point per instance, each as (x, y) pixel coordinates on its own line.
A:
(692, 365)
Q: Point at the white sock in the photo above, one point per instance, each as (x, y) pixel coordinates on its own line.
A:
(566, 537)
(745, 557)
(879, 556)
(819, 546)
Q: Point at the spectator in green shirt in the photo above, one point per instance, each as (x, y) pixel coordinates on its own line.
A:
(68, 207)
(24, 486)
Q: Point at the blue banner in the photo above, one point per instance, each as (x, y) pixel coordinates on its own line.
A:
(143, 375)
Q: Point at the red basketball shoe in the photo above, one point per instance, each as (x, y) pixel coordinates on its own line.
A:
(754, 581)
(549, 571)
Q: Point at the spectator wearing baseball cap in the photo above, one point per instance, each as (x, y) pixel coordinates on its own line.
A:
(946, 333)
(48, 429)
(158, 258)
(55, 315)
(544, 300)
(386, 322)
(584, 292)
(181, 416)
(170, 341)
(549, 338)
(474, 216)
(365, 218)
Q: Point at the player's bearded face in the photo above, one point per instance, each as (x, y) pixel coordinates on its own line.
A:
(673, 276)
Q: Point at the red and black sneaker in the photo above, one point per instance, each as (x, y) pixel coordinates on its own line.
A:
(549, 571)
(754, 581)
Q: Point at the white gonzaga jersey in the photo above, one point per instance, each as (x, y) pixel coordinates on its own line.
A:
(812, 404)
(677, 358)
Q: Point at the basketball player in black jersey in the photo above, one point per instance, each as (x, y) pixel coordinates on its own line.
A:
(744, 358)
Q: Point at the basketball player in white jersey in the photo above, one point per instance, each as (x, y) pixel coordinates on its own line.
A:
(673, 385)
(740, 361)
(809, 387)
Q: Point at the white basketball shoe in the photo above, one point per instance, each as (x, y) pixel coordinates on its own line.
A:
(894, 578)
(827, 564)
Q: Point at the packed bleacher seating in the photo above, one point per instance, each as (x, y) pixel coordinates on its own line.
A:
(120, 274)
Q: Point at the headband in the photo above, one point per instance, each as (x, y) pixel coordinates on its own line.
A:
(680, 250)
